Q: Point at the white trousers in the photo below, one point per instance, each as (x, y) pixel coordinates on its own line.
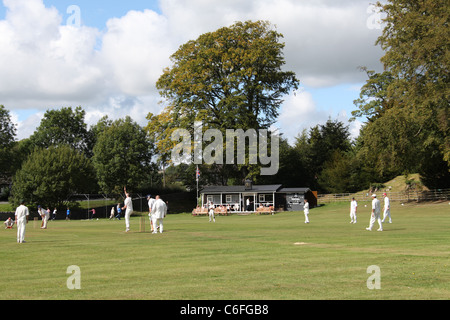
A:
(306, 217)
(373, 218)
(211, 215)
(45, 220)
(387, 214)
(353, 215)
(157, 221)
(21, 224)
(127, 219)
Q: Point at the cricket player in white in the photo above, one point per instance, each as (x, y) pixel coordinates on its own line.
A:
(9, 223)
(387, 208)
(159, 212)
(211, 212)
(151, 201)
(128, 206)
(306, 211)
(375, 214)
(353, 208)
(22, 215)
(44, 215)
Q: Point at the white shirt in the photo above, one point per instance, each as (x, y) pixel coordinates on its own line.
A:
(353, 205)
(150, 204)
(22, 212)
(306, 208)
(376, 205)
(159, 209)
(129, 204)
(41, 212)
(386, 203)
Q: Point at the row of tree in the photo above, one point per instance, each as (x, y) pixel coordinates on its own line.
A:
(233, 78)
(63, 157)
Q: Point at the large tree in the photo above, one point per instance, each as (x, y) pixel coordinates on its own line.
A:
(122, 156)
(61, 127)
(232, 78)
(7, 128)
(408, 104)
(7, 138)
(324, 140)
(51, 175)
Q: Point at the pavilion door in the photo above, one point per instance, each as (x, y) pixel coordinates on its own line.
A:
(249, 202)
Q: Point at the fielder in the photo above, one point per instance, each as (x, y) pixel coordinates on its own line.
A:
(128, 205)
(151, 201)
(22, 215)
(387, 208)
(159, 212)
(211, 211)
(9, 223)
(112, 213)
(353, 209)
(375, 214)
(306, 211)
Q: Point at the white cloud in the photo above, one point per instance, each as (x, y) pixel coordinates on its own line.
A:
(136, 48)
(46, 64)
(25, 128)
(355, 128)
(299, 112)
(45, 61)
(326, 41)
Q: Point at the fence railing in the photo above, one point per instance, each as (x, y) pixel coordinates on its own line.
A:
(404, 196)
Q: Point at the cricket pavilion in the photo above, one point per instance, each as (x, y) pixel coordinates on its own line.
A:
(257, 198)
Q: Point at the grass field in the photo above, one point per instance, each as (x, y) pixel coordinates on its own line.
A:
(237, 258)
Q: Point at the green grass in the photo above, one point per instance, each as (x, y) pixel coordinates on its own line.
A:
(6, 207)
(239, 257)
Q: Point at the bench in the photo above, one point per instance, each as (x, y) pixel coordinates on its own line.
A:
(199, 211)
(265, 210)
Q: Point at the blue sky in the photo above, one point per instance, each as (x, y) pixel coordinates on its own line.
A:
(96, 12)
(110, 63)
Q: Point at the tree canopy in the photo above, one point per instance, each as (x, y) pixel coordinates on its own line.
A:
(407, 105)
(65, 126)
(230, 78)
(7, 138)
(122, 156)
(51, 175)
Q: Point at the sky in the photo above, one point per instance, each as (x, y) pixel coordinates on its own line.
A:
(107, 56)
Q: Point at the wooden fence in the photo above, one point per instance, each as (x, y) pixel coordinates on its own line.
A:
(418, 196)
